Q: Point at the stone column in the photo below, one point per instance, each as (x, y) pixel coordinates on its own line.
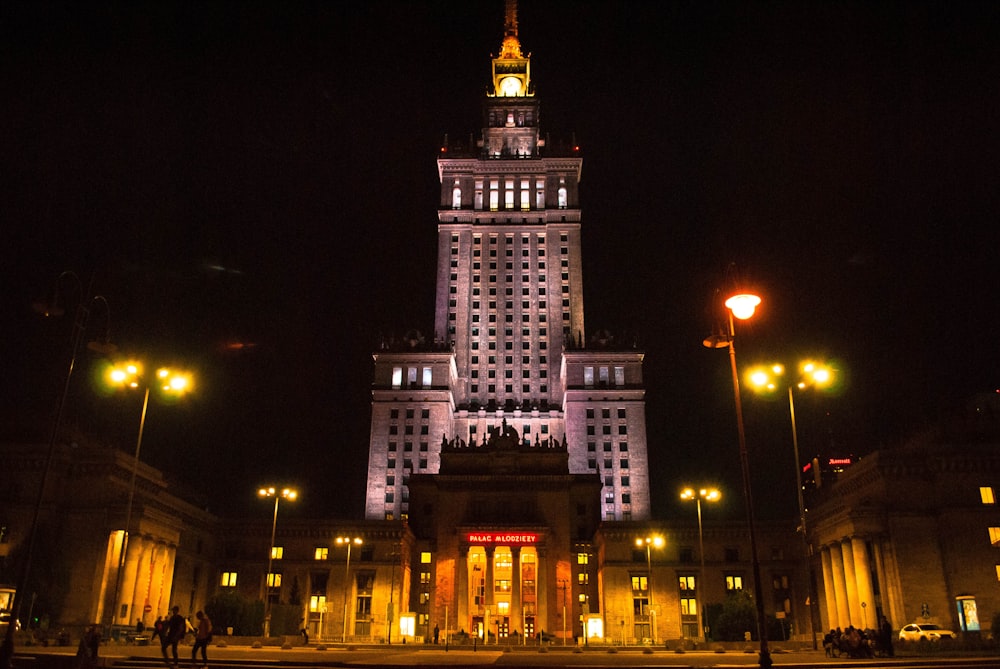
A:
(488, 591)
(863, 576)
(839, 587)
(516, 617)
(542, 621)
(829, 595)
(851, 580)
(462, 589)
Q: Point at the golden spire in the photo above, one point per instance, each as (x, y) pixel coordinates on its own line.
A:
(511, 47)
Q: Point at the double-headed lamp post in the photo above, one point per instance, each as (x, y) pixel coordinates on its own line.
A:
(652, 541)
(170, 382)
(709, 495)
(742, 306)
(289, 494)
(812, 375)
(347, 541)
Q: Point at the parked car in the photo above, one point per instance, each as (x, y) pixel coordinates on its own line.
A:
(929, 631)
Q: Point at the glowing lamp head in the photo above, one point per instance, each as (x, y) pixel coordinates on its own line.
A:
(742, 305)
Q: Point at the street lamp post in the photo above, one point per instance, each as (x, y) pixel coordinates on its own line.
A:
(709, 495)
(347, 541)
(79, 326)
(648, 542)
(170, 382)
(742, 306)
(817, 375)
(289, 494)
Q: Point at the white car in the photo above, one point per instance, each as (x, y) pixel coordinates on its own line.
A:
(929, 631)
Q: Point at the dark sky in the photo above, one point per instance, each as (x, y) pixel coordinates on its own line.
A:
(264, 173)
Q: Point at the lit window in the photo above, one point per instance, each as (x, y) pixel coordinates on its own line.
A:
(274, 580)
(986, 494)
(322, 553)
(686, 582)
(995, 536)
(582, 558)
(277, 552)
(583, 578)
(425, 557)
(734, 583)
(317, 603)
(639, 583)
(228, 579)
(689, 606)
(425, 577)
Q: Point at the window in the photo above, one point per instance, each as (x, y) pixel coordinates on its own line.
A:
(425, 578)
(228, 579)
(317, 603)
(274, 580)
(583, 578)
(277, 552)
(734, 582)
(640, 583)
(689, 606)
(686, 582)
(322, 553)
(583, 558)
(986, 494)
(995, 536)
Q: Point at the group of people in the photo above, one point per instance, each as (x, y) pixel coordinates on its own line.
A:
(859, 643)
(171, 631)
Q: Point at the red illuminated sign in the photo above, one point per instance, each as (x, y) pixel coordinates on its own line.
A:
(840, 461)
(517, 538)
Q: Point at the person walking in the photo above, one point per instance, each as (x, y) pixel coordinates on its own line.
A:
(174, 631)
(202, 637)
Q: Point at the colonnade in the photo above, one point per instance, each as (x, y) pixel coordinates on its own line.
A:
(850, 568)
(146, 579)
(516, 599)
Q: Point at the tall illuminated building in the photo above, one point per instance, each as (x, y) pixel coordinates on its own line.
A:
(509, 348)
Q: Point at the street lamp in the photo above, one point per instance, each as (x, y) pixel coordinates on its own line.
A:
(79, 325)
(742, 306)
(347, 541)
(655, 541)
(285, 493)
(170, 382)
(817, 375)
(709, 495)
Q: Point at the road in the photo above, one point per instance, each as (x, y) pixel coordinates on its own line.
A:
(374, 657)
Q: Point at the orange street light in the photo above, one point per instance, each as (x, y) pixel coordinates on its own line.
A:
(347, 541)
(811, 374)
(742, 306)
(709, 495)
(654, 541)
(130, 375)
(289, 494)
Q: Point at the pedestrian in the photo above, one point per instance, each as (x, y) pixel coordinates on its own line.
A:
(437, 632)
(157, 629)
(202, 637)
(305, 636)
(139, 626)
(173, 632)
(86, 652)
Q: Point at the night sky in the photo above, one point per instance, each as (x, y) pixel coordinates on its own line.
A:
(252, 186)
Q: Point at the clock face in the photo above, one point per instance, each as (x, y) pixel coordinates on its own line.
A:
(510, 86)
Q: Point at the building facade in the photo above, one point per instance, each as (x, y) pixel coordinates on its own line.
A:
(509, 344)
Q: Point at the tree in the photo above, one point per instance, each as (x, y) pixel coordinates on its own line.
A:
(736, 618)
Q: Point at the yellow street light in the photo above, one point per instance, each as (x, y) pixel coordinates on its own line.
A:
(289, 494)
(653, 541)
(742, 306)
(769, 378)
(130, 375)
(709, 495)
(347, 541)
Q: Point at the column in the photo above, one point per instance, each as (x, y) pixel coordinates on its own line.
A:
(829, 596)
(851, 580)
(488, 591)
(462, 589)
(516, 617)
(839, 587)
(542, 621)
(863, 575)
(127, 581)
